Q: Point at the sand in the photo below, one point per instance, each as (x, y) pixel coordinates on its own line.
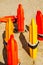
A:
(9, 7)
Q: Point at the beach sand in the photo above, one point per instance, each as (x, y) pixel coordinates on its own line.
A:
(9, 7)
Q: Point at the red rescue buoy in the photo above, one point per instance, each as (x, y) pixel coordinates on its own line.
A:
(5, 18)
(39, 21)
(20, 18)
(12, 51)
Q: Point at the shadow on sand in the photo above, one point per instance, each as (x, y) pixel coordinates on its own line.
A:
(24, 43)
(4, 52)
(4, 56)
(27, 27)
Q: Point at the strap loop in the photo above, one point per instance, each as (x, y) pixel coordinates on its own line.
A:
(40, 35)
(33, 46)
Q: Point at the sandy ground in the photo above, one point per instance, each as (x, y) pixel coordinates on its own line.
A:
(9, 7)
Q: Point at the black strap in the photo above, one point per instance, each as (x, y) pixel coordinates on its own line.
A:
(40, 36)
(5, 43)
(33, 47)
